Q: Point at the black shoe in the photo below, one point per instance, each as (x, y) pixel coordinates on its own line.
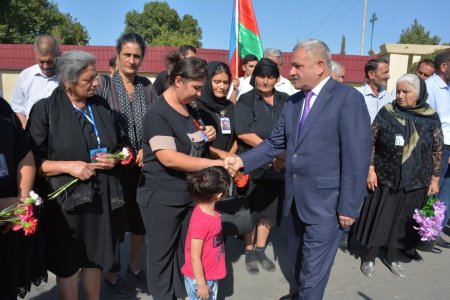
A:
(121, 288)
(265, 262)
(250, 263)
(435, 250)
(290, 296)
(442, 243)
(343, 244)
(140, 278)
(416, 256)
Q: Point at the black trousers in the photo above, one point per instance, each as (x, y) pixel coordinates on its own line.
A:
(166, 228)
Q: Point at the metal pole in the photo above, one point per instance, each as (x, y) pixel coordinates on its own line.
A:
(236, 28)
(363, 28)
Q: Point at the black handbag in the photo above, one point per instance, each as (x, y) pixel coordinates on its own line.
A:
(234, 211)
(76, 195)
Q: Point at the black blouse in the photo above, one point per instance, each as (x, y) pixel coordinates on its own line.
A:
(211, 115)
(254, 115)
(166, 129)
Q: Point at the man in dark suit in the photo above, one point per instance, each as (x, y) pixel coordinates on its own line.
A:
(325, 130)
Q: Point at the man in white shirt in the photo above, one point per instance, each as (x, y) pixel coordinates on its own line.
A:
(283, 84)
(242, 84)
(439, 99)
(374, 90)
(38, 81)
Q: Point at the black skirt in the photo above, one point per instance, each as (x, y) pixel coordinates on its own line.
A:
(85, 237)
(21, 263)
(266, 201)
(386, 218)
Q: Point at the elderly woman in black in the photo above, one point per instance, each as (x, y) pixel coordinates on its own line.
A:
(406, 163)
(257, 113)
(216, 110)
(66, 130)
(174, 144)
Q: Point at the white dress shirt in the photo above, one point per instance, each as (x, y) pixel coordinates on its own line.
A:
(244, 87)
(374, 103)
(439, 99)
(31, 86)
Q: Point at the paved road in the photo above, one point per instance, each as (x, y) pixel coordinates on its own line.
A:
(425, 280)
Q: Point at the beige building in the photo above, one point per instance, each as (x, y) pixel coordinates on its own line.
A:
(402, 56)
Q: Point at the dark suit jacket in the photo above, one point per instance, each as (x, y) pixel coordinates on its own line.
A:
(328, 163)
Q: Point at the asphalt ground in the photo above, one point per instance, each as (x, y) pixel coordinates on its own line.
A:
(425, 280)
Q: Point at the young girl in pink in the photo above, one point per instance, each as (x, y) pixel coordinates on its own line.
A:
(204, 251)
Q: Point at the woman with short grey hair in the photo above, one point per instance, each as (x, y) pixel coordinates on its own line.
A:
(71, 133)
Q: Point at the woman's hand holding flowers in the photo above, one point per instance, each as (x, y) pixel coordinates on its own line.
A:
(433, 189)
(81, 170)
(105, 162)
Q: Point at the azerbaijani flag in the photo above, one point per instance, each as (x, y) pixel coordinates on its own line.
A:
(245, 33)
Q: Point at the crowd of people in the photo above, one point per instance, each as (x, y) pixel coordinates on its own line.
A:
(339, 163)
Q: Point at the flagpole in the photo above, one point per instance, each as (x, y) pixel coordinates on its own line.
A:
(236, 30)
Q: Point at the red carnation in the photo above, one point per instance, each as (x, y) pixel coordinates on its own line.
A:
(241, 180)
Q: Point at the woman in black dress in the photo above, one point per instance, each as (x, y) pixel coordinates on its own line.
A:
(257, 113)
(66, 130)
(129, 96)
(21, 257)
(174, 144)
(406, 163)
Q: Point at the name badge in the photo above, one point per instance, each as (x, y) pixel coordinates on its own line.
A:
(399, 141)
(94, 153)
(3, 166)
(225, 125)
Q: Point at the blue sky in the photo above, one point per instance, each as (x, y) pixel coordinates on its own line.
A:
(281, 23)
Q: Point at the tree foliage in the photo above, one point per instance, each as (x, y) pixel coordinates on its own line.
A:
(21, 21)
(160, 25)
(416, 34)
(342, 45)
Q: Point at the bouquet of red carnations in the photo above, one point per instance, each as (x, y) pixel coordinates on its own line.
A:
(21, 214)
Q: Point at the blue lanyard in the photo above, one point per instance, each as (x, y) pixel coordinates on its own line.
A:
(90, 119)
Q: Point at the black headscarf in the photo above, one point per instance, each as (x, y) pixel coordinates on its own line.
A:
(265, 67)
(207, 97)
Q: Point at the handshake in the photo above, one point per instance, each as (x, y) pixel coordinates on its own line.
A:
(233, 164)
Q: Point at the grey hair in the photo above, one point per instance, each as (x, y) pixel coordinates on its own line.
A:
(45, 45)
(316, 49)
(412, 80)
(336, 68)
(71, 63)
(273, 52)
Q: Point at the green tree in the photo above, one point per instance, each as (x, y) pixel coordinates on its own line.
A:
(21, 21)
(160, 25)
(416, 34)
(342, 45)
